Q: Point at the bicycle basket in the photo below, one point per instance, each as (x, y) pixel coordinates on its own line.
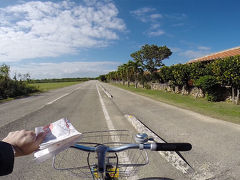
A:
(84, 164)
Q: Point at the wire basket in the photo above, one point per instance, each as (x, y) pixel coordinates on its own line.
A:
(84, 164)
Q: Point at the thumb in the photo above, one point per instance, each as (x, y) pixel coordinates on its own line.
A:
(40, 137)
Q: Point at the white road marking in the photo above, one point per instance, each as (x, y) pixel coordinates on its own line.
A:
(57, 99)
(62, 96)
(107, 93)
(114, 138)
(105, 112)
(172, 157)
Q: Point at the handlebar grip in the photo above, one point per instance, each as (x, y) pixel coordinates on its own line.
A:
(171, 147)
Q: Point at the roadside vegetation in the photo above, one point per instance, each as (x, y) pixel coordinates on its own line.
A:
(18, 86)
(22, 85)
(213, 78)
(220, 110)
(218, 81)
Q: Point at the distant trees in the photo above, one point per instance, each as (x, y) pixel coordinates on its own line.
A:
(60, 80)
(148, 58)
(13, 87)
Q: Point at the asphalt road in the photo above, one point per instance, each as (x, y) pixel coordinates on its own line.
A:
(216, 144)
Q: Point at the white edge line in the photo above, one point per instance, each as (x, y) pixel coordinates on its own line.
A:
(107, 93)
(111, 126)
(171, 157)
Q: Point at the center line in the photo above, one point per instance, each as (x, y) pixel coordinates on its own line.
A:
(57, 98)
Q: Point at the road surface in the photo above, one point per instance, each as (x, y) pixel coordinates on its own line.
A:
(216, 144)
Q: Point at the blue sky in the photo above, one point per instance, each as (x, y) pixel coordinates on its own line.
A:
(55, 39)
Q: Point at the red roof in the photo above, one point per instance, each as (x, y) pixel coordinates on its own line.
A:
(222, 54)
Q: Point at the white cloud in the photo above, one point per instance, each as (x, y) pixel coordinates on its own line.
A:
(146, 14)
(176, 16)
(192, 54)
(142, 13)
(156, 33)
(155, 26)
(175, 49)
(155, 16)
(65, 69)
(47, 29)
(149, 15)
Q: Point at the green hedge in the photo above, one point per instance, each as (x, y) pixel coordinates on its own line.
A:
(210, 76)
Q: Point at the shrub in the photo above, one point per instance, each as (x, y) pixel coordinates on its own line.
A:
(210, 86)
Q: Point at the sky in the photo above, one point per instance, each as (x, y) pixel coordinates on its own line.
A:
(86, 38)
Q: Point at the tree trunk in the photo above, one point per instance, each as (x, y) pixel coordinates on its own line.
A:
(136, 81)
(143, 84)
(196, 96)
(233, 95)
(136, 84)
(183, 90)
(237, 100)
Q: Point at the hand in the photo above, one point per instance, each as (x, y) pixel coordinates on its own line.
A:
(24, 142)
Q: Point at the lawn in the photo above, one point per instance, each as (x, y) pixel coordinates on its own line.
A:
(50, 86)
(221, 110)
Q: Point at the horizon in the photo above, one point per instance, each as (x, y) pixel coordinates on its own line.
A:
(87, 38)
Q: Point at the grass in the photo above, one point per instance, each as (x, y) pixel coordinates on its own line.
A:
(43, 87)
(221, 110)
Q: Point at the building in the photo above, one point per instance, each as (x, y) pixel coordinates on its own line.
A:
(222, 54)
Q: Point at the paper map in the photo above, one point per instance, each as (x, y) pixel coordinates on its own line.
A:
(60, 135)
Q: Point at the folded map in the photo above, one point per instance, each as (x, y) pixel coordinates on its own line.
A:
(60, 135)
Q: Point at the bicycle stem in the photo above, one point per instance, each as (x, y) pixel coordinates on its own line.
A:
(101, 154)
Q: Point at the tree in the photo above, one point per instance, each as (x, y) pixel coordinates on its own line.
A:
(227, 72)
(181, 75)
(138, 66)
(199, 69)
(13, 88)
(153, 55)
(135, 70)
(165, 74)
(122, 73)
(210, 86)
(4, 71)
(102, 78)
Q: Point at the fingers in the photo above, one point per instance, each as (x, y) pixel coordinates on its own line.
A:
(40, 138)
(25, 142)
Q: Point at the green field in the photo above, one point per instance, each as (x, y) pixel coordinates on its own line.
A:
(50, 86)
(221, 110)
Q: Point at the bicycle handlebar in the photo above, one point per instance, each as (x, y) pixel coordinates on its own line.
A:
(171, 147)
(102, 149)
(151, 146)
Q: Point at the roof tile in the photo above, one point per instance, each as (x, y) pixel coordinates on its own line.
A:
(222, 54)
